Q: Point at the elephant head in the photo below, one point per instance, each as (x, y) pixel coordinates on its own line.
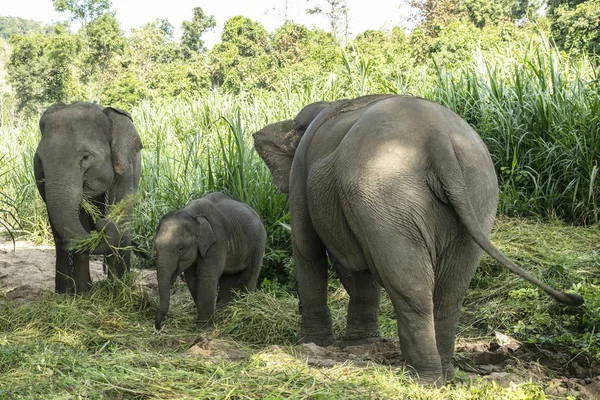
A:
(84, 148)
(180, 239)
(276, 143)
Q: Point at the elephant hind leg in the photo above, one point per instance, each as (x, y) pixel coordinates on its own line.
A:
(244, 281)
(406, 272)
(362, 325)
(249, 276)
(227, 284)
(456, 266)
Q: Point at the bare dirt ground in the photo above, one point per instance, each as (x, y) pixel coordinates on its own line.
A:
(29, 271)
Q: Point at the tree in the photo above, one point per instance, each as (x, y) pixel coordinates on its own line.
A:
(83, 11)
(577, 27)
(158, 64)
(152, 44)
(337, 13)
(166, 27)
(100, 34)
(482, 12)
(10, 26)
(105, 41)
(191, 39)
(40, 69)
(435, 14)
(241, 60)
(302, 53)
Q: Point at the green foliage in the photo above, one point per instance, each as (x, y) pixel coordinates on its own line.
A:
(485, 12)
(389, 52)
(336, 11)
(9, 219)
(577, 28)
(537, 110)
(241, 60)
(84, 11)
(10, 26)
(39, 69)
(250, 37)
(434, 15)
(306, 54)
(191, 39)
(152, 44)
(104, 40)
(125, 93)
(563, 256)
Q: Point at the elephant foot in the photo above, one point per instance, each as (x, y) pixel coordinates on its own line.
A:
(205, 323)
(319, 340)
(448, 372)
(435, 380)
(357, 340)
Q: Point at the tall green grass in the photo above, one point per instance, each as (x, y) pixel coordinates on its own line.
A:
(539, 112)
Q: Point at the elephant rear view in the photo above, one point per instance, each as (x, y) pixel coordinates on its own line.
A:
(218, 243)
(402, 193)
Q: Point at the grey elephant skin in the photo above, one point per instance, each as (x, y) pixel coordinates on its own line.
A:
(402, 193)
(218, 243)
(86, 150)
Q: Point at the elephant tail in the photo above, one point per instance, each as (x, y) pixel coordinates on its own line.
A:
(458, 195)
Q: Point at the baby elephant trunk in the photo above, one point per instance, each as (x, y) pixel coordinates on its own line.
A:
(164, 272)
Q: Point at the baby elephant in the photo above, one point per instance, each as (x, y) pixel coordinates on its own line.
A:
(218, 243)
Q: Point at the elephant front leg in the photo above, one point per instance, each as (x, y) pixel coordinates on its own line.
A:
(363, 310)
(117, 248)
(63, 279)
(190, 280)
(81, 272)
(118, 261)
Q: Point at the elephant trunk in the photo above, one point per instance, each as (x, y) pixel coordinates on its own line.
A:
(164, 273)
(63, 200)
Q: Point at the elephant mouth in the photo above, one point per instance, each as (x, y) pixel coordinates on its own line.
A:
(178, 272)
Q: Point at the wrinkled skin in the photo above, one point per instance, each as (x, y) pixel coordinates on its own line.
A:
(218, 243)
(88, 150)
(402, 194)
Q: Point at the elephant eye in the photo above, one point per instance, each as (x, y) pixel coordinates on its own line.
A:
(87, 157)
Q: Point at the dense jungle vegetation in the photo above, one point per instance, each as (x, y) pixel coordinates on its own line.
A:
(527, 81)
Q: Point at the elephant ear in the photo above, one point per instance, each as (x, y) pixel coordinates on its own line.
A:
(125, 142)
(206, 236)
(276, 144)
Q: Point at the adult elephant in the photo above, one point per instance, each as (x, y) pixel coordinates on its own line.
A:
(86, 150)
(402, 193)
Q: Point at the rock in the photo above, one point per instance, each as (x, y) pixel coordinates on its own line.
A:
(488, 369)
(197, 351)
(504, 379)
(507, 343)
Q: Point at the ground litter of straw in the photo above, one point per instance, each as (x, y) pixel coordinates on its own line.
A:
(27, 272)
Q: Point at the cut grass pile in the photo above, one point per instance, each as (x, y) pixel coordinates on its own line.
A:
(103, 344)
